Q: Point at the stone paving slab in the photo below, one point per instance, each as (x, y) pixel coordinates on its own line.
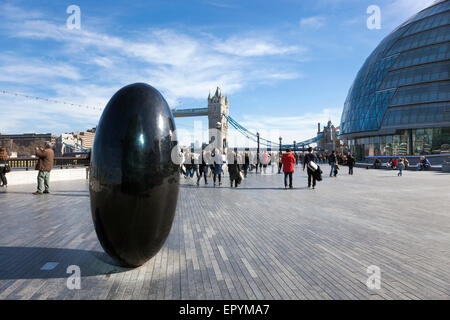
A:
(258, 241)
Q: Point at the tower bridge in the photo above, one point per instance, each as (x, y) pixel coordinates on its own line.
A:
(217, 112)
(218, 119)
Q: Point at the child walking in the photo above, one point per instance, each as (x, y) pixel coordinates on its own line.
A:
(336, 170)
(400, 167)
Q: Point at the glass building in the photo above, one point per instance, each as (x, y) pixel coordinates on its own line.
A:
(399, 103)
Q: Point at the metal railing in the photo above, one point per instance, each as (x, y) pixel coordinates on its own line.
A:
(60, 162)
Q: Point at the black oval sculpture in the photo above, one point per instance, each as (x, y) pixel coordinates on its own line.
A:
(133, 183)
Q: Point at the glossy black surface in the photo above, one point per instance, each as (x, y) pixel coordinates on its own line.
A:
(133, 182)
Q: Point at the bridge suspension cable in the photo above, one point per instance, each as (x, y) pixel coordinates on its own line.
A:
(252, 136)
(77, 146)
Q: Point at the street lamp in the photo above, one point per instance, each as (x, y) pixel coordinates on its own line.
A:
(280, 142)
(294, 145)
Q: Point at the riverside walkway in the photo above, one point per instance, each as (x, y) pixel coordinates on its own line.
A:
(258, 241)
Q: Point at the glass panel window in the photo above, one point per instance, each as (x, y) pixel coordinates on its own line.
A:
(421, 39)
(422, 93)
(428, 23)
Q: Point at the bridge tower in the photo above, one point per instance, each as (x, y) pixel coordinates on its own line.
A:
(217, 106)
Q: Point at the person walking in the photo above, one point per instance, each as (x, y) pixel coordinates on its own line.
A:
(265, 161)
(218, 162)
(311, 176)
(400, 166)
(288, 161)
(336, 170)
(234, 170)
(3, 165)
(332, 161)
(350, 163)
(272, 158)
(246, 164)
(182, 160)
(202, 168)
(194, 166)
(44, 166)
(188, 165)
(280, 164)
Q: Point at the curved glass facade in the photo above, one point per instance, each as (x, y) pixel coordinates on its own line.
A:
(402, 89)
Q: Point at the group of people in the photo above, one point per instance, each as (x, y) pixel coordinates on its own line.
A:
(211, 163)
(45, 156)
(401, 163)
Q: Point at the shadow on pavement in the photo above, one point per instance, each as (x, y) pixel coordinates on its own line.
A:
(26, 262)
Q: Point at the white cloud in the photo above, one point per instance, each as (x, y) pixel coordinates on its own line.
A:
(252, 47)
(34, 71)
(88, 67)
(315, 22)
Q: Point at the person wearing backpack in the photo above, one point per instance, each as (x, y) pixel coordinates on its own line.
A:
(310, 157)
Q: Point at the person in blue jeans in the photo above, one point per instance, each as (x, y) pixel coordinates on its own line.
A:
(332, 162)
(400, 167)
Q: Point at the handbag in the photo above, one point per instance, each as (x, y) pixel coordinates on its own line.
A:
(312, 166)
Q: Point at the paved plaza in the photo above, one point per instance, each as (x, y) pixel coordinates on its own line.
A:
(255, 242)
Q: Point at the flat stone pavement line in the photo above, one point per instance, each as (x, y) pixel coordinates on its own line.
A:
(258, 241)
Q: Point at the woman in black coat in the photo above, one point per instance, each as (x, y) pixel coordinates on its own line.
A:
(234, 170)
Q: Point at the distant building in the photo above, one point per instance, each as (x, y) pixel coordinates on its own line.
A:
(218, 106)
(23, 145)
(399, 103)
(330, 140)
(74, 142)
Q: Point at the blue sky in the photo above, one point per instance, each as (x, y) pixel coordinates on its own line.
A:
(285, 64)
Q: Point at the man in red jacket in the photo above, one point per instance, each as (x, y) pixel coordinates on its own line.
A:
(288, 161)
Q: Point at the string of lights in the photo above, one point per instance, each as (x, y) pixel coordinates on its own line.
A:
(30, 97)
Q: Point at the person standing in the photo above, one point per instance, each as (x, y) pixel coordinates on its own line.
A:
(332, 162)
(308, 158)
(3, 164)
(288, 161)
(350, 163)
(44, 166)
(405, 163)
